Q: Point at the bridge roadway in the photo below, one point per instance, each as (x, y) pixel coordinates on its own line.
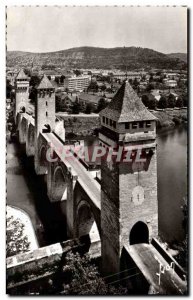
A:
(148, 260)
(85, 179)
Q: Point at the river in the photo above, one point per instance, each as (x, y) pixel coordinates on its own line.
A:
(28, 191)
(172, 180)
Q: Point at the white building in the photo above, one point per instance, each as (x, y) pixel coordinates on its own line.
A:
(78, 83)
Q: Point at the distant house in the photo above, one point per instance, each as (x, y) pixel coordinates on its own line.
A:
(171, 83)
(176, 96)
(85, 98)
(156, 94)
(52, 73)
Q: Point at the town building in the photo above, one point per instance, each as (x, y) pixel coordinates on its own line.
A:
(129, 75)
(78, 83)
(171, 83)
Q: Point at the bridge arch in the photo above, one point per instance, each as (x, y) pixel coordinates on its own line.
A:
(86, 222)
(59, 187)
(139, 233)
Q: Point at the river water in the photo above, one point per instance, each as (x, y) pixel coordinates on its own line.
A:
(28, 191)
(172, 180)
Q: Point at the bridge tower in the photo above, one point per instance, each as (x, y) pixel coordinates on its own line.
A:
(129, 207)
(44, 113)
(44, 106)
(22, 92)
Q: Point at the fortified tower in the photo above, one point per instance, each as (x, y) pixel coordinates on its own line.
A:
(44, 113)
(22, 92)
(45, 106)
(129, 207)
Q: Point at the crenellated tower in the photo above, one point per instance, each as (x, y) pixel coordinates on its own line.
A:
(129, 206)
(45, 106)
(44, 115)
(21, 92)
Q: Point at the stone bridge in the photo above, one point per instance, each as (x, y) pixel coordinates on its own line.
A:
(69, 181)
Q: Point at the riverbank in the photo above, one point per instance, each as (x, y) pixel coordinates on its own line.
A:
(28, 192)
(24, 220)
(169, 118)
(84, 125)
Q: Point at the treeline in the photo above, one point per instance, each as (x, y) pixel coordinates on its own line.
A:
(165, 102)
(77, 106)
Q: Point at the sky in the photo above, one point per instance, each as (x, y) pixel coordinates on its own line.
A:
(47, 29)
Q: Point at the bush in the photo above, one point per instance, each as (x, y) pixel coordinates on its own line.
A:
(84, 278)
(179, 102)
(16, 242)
(176, 120)
(162, 103)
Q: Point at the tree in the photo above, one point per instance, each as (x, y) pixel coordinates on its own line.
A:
(179, 102)
(150, 87)
(33, 95)
(84, 278)
(93, 86)
(101, 104)
(162, 102)
(145, 100)
(185, 101)
(62, 78)
(152, 104)
(89, 108)
(76, 107)
(171, 101)
(34, 80)
(77, 72)
(8, 88)
(16, 241)
(57, 80)
(151, 78)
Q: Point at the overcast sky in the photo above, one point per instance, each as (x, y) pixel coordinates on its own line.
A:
(46, 29)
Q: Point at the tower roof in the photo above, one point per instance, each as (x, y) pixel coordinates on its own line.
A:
(45, 83)
(126, 106)
(21, 75)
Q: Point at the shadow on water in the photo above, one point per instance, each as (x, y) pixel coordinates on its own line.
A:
(53, 222)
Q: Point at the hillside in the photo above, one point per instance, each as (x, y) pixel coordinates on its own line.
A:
(180, 56)
(92, 57)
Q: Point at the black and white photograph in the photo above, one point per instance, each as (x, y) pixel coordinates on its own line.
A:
(97, 116)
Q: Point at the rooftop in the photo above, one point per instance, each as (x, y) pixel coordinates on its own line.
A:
(21, 75)
(45, 83)
(126, 106)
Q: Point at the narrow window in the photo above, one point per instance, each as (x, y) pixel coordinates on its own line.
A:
(127, 125)
(107, 121)
(140, 124)
(148, 124)
(114, 124)
(46, 113)
(111, 122)
(46, 103)
(134, 125)
(103, 119)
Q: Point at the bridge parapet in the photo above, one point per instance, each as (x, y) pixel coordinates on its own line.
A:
(30, 140)
(154, 269)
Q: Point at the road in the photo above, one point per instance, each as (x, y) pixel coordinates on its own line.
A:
(90, 185)
(148, 260)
